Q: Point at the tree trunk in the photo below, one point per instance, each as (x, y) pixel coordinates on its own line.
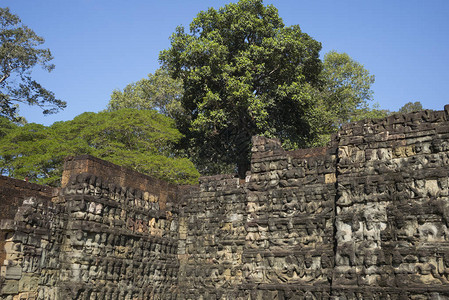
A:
(243, 165)
(243, 148)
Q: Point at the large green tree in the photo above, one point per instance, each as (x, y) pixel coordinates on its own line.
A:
(139, 139)
(159, 91)
(19, 54)
(244, 73)
(344, 95)
(346, 88)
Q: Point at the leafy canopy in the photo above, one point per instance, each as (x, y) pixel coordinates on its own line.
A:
(343, 96)
(240, 72)
(19, 54)
(159, 92)
(244, 73)
(410, 107)
(347, 87)
(139, 139)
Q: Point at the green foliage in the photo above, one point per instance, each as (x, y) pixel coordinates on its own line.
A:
(141, 140)
(244, 73)
(159, 91)
(342, 97)
(346, 89)
(366, 112)
(411, 107)
(19, 54)
(6, 126)
(241, 72)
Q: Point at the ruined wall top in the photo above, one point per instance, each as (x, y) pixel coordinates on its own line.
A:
(117, 175)
(13, 191)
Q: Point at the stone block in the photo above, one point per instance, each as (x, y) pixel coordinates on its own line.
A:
(12, 272)
(29, 283)
(330, 178)
(10, 287)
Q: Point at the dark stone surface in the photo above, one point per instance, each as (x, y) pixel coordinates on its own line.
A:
(365, 218)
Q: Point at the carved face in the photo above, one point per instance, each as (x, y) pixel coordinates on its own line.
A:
(104, 237)
(369, 189)
(308, 261)
(79, 235)
(325, 261)
(110, 239)
(370, 259)
(369, 225)
(418, 148)
(355, 225)
(91, 208)
(397, 152)
(98, 208)
(442, 182)
(400, 186)
(419, 183)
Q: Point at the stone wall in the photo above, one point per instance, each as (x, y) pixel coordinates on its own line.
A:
(18, 250)
(96, 239)
(393, 208)
(365, 218)
(267, 237)
(290, 208)
(212, 238)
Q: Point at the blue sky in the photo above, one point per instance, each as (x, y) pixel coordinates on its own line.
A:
(102, 45)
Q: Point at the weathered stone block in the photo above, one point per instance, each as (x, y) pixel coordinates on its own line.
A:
(11, 272)
(10, 287)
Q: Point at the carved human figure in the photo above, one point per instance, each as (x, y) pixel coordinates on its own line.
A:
(253, 270)
(427, 269)
(93, 272)
(91, 207)
(98, 212)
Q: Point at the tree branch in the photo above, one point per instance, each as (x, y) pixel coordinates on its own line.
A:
(4, 77)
